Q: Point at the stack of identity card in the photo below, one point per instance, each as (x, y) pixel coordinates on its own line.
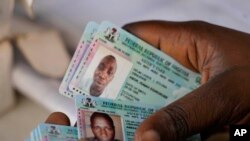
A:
(118, 80)
(51, 132)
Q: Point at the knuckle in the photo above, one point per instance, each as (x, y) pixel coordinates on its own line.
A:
(178, 117)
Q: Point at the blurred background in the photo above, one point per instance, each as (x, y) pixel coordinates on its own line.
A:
(38, 39)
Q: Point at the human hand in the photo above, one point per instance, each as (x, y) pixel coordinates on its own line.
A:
(221, 56)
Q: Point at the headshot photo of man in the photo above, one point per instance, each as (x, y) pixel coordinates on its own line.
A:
(103, 74)
(102, 127)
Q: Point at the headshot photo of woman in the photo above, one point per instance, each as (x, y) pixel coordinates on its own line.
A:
(102, 127)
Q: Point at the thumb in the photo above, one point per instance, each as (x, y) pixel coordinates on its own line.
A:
(58, 118)
(222, 100)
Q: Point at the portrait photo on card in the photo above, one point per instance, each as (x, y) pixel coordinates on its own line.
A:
(106, 73)
(101, 126)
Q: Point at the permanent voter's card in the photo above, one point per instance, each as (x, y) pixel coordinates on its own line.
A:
(34, 135)
(143, 73)
(126, 116)
(52, 132)
(81, 49)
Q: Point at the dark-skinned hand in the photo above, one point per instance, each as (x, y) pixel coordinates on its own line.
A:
(221, 55)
